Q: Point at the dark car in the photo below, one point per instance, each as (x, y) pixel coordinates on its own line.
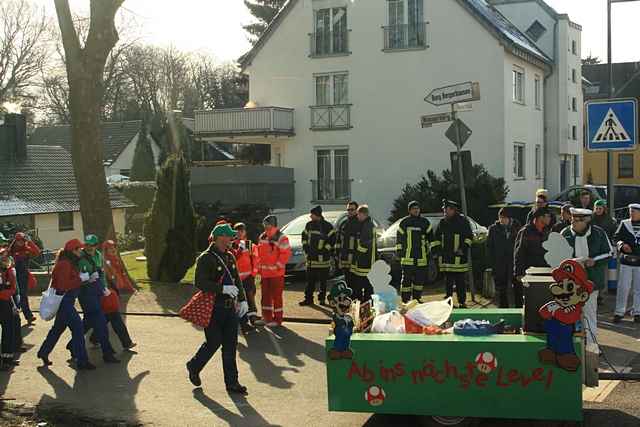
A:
(387, 248)
(623, 196)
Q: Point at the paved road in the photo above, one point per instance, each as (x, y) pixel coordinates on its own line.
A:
(284, 372)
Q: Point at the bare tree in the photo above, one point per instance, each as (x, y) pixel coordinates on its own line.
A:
(24, 46)
(85, 64)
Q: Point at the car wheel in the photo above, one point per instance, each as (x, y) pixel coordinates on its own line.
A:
(433, 272)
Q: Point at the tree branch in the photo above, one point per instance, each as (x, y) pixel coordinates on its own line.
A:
(70, 39)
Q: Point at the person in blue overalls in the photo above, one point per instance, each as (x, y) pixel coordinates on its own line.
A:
(340, 300)
(217, 273)
(66, 279)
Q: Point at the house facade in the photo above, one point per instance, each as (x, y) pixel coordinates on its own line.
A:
(338, 87)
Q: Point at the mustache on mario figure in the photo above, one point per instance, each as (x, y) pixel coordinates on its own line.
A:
(571, 290)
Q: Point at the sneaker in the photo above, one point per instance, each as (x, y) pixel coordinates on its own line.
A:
(237, 389)
(31, 320)
(110, 359)
(194, 377)
(86, 366)
(129, 346)
(617, 319)
(256, 321)
(305, 302)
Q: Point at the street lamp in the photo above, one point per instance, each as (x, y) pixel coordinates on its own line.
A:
(610, 176)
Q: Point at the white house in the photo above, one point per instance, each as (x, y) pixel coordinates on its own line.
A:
(338, 88)
(119, 143)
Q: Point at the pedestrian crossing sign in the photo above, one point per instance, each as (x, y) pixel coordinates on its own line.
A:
(612, 124)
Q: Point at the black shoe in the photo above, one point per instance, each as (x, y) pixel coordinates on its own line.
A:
(22, 349)
(129, 346)
(462, 305)
(110, 359)
(636, 318)
(194, 377)
(246, 328)
(9, 361)
(31, 320)
(617, 319)
(86, 366)
(237, 389)
(45, 360)
(305, 303)
(323, 302)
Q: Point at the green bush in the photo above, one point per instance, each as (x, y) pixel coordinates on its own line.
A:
(130, 241)
(170, 226)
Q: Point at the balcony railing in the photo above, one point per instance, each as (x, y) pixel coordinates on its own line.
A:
(331, 190)
(405, 36)
(329, 43)
(331, 117)
(245, 121)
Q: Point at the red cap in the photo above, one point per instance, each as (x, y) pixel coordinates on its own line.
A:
(19, 236)
(72, 245)
(572, 270)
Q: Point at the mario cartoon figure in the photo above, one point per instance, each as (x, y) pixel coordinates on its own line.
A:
(570, 291)
(340, 300)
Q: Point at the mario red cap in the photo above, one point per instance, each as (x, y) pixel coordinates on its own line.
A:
(72, 245)
(572, 270)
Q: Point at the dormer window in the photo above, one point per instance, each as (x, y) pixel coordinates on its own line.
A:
(536, 30)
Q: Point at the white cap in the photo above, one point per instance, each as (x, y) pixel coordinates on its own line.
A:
(635, 206)
(581, 212)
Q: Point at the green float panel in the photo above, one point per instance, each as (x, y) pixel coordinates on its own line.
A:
(498, 376)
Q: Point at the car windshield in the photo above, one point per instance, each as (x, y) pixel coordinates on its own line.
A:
(296, 227)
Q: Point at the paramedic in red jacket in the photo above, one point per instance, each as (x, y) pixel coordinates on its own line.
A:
(66, 279)
(273, 252)
(21, 249)
(246, 253)
(7, 307)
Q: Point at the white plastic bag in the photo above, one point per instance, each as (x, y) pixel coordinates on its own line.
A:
(49, 304)
(388, 323)
(431, 313)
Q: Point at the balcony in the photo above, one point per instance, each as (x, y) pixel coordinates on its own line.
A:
(331, 117)
(241, 185)
(233, 122)
(331, 191)
(405, 37)
(329, 43)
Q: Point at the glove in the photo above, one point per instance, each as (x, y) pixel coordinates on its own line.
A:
(242, 245)
(230, 290)
(84, 277)
(243, 308)
(553, 307)
(94, 276)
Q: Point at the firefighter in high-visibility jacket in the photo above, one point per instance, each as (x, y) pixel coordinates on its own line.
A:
(364, 256)
(413, 243)
(346, 242)
(318, 240)
(452, 241)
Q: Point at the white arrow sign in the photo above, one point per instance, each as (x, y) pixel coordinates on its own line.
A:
(461, 92)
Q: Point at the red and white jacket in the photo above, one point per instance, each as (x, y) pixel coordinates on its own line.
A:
(274, 251)
(7, 284)
(247, 258)
(29, 249)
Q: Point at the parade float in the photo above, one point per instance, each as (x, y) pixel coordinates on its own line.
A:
(390, 358)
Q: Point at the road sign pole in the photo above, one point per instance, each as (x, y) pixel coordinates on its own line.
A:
(610, 177)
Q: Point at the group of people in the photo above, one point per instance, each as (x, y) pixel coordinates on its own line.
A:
(80, 271)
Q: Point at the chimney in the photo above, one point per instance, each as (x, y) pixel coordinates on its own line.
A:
(13, 137)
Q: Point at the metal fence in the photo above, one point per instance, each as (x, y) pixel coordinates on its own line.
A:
(331, 117)
(327, 43)
(331, 190)
(405, 36)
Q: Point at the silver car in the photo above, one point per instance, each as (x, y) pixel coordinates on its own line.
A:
(293, 230)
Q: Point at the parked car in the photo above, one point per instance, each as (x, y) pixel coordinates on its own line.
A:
(293, 230)
(117, 179)
(387, 249)
(624, 195)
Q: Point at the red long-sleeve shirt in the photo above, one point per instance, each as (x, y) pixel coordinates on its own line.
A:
(65, 276)
(29, 249)
(568, 318)
(7, 277)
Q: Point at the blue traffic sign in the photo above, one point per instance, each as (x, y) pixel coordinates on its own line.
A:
(612, 124)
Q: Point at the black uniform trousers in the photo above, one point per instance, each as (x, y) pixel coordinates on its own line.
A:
(315, 275)
(413, 281)
(504, 279)
(222, 331)
(458, 280)
(361, 287)
(7, 322)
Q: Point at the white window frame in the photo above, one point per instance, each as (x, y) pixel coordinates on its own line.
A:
(537, 89)
(574, 47)
(574, 132)
(405, 12)
(574, 75)
(519, 147)
(538, 165)
(518, 94)
(332, 160)
(331, 25)
(331, 87)
(574, 103)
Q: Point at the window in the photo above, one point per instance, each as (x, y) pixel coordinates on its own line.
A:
(574, 75)
(574, 47)
(538, 161)
(518, 85)
(574, 132)
(125, 172)
(330, 31)
(518, 161)
(65, 221)
(406, 27)
(574, 104)
(538, 92)
(536, 30)
(625, 165)
(332, 89)
(333, 183)
(576, 169)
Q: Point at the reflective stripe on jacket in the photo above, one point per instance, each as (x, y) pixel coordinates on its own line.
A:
(452, 239)
(246, 254)
(365, 253)
(318, 241)
(273, 254)
(413, 241)
(346, 241)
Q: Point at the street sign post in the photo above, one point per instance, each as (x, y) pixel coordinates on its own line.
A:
(458, 133)
(453, 94)
(612, 124)
(432, 119)
(462, 160)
